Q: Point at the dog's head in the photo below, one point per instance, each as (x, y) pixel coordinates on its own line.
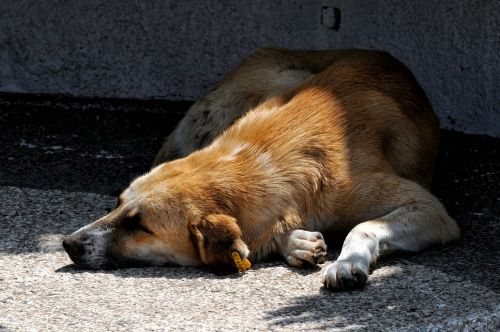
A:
(167, 216)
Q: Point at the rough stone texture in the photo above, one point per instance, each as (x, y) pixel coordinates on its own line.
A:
(66, 147)
(41, 290)
(176, 49)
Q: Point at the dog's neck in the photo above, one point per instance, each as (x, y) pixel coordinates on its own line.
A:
(243, 180)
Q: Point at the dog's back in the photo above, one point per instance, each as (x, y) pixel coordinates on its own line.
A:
(380, 103)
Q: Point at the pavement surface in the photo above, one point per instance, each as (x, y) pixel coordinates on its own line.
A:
(62, 162)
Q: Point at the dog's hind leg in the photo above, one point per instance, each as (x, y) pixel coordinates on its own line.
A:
(417, 221)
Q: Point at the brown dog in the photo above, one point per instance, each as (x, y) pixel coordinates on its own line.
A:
(288, 145)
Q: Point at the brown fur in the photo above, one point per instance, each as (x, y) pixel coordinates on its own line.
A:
(343, 138)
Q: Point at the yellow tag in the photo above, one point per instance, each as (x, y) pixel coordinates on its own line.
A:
(247, 264)
(241, 265)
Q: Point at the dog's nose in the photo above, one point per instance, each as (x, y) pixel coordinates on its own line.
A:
(73, 247)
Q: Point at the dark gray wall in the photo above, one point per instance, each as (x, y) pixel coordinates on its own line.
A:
(177, 49)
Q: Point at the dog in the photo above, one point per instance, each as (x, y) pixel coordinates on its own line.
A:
(289, 145)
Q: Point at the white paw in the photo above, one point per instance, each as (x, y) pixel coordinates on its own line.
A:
(346, 274)
(304, 247)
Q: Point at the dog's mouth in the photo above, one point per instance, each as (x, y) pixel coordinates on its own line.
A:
(110, 262)
(94, 262)
(85, 255)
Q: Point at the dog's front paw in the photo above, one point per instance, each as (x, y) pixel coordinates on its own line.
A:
(345, 274)
(304, 247)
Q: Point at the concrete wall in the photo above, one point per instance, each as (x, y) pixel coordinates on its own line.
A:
(176, 49)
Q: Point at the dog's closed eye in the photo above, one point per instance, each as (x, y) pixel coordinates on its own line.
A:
(133, 222)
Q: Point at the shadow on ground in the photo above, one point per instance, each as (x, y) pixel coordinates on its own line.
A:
(99, 146)
(398, 292)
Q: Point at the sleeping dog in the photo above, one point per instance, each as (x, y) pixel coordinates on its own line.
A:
(288, 145)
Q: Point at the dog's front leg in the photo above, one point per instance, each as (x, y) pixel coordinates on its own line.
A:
(303, 247)
(419, 222)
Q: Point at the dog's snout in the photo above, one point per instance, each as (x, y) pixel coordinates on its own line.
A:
(73, 247)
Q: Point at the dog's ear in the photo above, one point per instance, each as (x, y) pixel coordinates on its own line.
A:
(216, 237)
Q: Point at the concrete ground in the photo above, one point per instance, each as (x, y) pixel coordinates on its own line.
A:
(62, 162)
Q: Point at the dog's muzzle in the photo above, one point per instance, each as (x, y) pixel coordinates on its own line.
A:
(88, 248)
